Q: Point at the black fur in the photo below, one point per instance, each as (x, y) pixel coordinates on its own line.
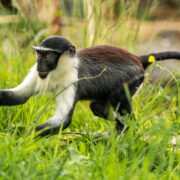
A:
(159, 57)
(8, 98)
(100, 108)
(58, 43)
(46, 65)
(109, 82)
(109, 87)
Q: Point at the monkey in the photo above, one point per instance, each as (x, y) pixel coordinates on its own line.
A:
(59, 64)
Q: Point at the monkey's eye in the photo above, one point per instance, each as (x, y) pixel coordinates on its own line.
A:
(38, 56)
(48, 56)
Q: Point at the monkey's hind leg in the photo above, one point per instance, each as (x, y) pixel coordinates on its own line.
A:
(100, 108)
(119, 98)
(123, 107)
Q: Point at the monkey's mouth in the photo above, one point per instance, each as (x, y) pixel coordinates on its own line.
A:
(43, 75)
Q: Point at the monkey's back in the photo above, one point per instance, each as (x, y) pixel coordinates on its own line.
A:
(121, 67)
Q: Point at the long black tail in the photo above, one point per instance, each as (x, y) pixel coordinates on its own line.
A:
(148, 59)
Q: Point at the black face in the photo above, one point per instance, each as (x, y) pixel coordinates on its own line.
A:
(46, 62)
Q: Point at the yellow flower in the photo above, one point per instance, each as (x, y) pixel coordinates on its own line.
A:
(151, 59)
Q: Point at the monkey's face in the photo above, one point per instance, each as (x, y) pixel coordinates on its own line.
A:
(46, 62)
(49, 51)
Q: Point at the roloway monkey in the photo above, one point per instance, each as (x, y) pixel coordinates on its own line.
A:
(59, 65)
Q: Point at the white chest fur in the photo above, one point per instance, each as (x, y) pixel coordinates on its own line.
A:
(64, 74)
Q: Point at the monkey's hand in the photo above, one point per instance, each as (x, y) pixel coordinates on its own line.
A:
(54, 125)
(5, 96)
(9, 98)
(50, 131)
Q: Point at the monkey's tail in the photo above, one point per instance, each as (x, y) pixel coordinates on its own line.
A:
(150, 58)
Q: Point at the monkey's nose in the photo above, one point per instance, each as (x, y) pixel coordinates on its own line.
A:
(43, 75)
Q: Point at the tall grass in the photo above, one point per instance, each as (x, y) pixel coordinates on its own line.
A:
(90, 147)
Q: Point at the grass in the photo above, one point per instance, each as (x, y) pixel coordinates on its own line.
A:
(90, 147)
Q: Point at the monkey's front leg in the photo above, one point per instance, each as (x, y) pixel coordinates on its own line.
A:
(9, 98)
(20, 94)
(65, 103)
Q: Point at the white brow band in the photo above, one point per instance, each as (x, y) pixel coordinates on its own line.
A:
(40, 48)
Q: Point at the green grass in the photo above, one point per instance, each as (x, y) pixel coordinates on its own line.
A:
(90, 147)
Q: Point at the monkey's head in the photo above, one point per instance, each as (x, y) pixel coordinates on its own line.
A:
(49, 53)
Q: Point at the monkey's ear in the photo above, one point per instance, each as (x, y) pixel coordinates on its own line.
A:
(72, 50)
